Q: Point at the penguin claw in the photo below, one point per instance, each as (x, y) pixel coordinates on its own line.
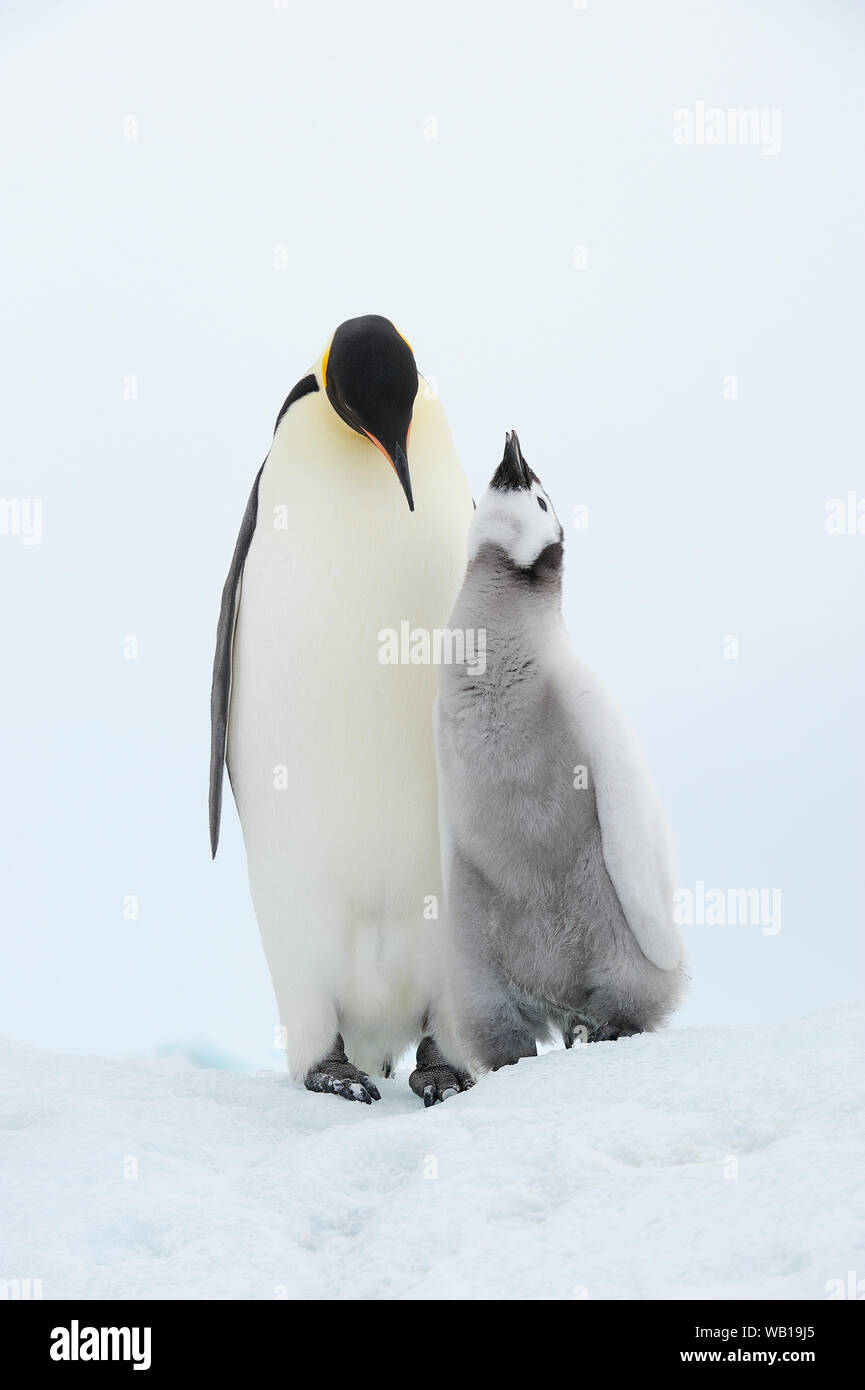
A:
(592, 1030)
(605, 1033)
(435, 1079)
(611, 1032)
(435, 1089)
(358, 1088)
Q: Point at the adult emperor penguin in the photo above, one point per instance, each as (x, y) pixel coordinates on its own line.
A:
(558, 865)
(329, 750)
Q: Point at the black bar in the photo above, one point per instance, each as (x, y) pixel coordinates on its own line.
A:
(584, 1340)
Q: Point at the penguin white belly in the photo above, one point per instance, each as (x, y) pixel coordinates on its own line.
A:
(330, 750)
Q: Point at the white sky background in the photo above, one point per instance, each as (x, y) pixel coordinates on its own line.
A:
(304, 128)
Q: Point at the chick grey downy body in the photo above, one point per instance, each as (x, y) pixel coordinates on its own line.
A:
(557, 862)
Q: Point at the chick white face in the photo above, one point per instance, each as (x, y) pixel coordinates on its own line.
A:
(515, 513)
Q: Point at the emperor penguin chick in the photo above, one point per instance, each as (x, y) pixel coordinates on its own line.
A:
(557, 862)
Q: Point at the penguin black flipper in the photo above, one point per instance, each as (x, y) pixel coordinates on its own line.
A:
(220, 690)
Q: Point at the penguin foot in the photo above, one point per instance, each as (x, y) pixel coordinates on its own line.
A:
(336, 1075)
(605, 1032)
(585, 1029)
(354, 1086)
(609, 1032)
(435, 1079)
(580, 1028)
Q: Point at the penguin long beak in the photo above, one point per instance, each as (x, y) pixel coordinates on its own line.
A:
(399, 464)
(513, 472)
(400, 468)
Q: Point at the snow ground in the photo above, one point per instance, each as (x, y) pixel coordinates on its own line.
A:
(595, 1173)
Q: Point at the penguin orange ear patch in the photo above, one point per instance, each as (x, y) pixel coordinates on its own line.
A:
(324, 365)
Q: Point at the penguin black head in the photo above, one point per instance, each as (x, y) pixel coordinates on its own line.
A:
(370, 378)
(516, 516)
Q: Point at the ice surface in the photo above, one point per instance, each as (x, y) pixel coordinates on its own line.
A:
(604, 1172)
